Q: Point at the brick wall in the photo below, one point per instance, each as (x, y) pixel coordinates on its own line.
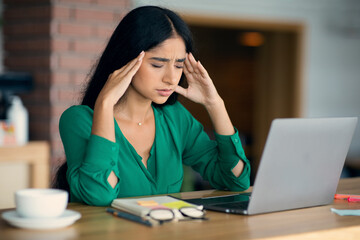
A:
(57, 41)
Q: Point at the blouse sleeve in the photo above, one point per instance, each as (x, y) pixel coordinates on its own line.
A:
(214, 160)
(90, 158)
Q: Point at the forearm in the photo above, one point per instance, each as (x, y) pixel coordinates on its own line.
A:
(220, 118)
(103, 120)
(223, 126)
(103, 126)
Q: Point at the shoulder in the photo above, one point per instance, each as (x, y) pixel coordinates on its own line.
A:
(77, 111)
(76, 116)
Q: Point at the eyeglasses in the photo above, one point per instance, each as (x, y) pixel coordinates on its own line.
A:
(166, 215)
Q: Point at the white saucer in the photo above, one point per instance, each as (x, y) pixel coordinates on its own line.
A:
(66, 219)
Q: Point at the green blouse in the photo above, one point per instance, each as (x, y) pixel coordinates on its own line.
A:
(179, 139)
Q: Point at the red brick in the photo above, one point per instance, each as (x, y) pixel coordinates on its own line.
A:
(25, 2)
(56, 141)
(119, 15)
(105, 31)
(41, 78)
(39, 130)
(93, 15)
(75, 62)
(37, 96)
(60, 45)
(61, 12)
(70, 96)
(57, 148)
(54, 126)
(26, 62)
(80, 79)
(27, 12)
(60, 78)
(115, 3)
(59, 48)
(58, 108)
(57, 156)
(72, 29)
(28, 45)
(26, 29)
(92, 47)
(41, 111)
(76, 2)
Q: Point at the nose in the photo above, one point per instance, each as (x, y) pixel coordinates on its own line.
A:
(170, 76)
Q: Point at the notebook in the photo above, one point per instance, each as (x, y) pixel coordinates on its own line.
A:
(299, 167)
(142, 206)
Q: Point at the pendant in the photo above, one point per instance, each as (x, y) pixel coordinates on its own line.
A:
(139, 123)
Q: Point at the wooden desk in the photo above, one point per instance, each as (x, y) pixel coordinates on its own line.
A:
(309, 223)
(37, 155)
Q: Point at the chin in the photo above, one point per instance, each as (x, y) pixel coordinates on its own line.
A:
(160, 100)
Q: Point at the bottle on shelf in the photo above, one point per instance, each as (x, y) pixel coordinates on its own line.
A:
(18, 116)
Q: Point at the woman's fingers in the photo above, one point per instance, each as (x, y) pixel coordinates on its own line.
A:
(188, 64)
(125, 69)
(131, 64)
(135, 67)
(194, 63)
(203, 71)
(194, 69)
(182, 91)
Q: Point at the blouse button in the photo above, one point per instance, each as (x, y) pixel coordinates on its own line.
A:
(113, 148)
(112, 163)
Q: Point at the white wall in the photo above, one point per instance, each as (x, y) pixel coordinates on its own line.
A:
(332, 55)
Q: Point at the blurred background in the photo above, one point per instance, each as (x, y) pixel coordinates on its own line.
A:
(268, 59)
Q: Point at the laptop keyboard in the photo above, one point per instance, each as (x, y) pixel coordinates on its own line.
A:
(236, 205)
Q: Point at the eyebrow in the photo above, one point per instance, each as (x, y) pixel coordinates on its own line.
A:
(166, 59)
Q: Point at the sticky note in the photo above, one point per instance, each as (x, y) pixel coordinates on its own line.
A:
(347, 212)
(177, 204)
(147, 203)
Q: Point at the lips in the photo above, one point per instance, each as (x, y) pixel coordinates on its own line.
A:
(165, 92)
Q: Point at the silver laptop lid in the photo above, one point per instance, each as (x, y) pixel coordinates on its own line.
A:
(301, 163)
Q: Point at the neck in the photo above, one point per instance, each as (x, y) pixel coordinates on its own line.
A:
(134, 111)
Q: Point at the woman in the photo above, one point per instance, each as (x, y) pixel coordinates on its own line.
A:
(130, 136)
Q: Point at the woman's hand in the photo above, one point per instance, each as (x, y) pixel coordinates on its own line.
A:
(118, 81)
(201, 88)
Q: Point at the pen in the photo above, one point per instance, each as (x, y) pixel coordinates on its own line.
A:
(129, 216)
(346, 196)
(354, 199)
(342, 196)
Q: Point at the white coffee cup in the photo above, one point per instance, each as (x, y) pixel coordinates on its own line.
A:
(40, 203)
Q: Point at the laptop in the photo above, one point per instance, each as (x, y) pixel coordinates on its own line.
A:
(299, 167)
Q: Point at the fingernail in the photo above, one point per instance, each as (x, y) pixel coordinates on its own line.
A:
(141, 56)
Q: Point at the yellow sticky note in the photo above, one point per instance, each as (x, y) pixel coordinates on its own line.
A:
(147, 203)
(177, 204)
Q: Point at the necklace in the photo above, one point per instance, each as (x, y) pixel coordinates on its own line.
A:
(141, 122)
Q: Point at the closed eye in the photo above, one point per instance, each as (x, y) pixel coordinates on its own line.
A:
(156, 65)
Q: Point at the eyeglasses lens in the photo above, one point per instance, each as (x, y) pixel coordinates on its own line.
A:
(192, 212)
(162, 214)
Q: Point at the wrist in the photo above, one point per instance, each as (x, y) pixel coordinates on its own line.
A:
(104, 103)
(214, 104)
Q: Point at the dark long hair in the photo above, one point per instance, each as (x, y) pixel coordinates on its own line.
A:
(140, 30)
